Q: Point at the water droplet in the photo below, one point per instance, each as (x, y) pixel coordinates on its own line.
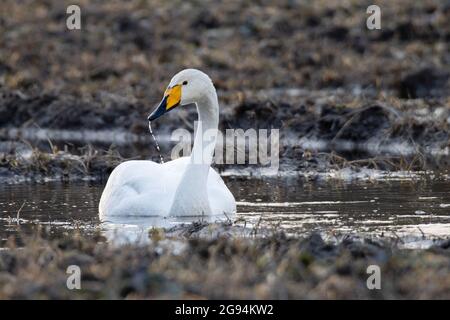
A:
(156, 143)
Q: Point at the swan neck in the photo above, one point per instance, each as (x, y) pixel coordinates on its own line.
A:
(192, 191)
(206, 130)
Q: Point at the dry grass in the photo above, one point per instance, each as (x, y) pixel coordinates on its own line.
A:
(275, 267)
(60, 164)
(132, 48)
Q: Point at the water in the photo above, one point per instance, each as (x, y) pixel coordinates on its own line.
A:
(156, 143)
(416, 212)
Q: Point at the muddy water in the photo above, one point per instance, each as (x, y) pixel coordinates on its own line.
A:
(414, 212)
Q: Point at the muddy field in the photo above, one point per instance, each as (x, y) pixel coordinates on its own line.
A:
(131, 49)
(375, 99)
(222, 268)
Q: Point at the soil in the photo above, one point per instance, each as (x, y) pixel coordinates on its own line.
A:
(313, 71)
(274, 267)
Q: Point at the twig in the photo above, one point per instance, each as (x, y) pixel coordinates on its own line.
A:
(423, 234)
(398, 238)
(228, 218)
(18, 213)
(255, 228)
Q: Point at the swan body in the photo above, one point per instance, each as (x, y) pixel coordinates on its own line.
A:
(186, 186)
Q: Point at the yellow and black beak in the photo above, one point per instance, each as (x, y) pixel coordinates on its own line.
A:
(172, 99)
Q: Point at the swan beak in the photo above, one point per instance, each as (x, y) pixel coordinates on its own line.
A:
(172, 98)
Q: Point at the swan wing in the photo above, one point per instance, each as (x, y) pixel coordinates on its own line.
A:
(140, 188)
(221, 199)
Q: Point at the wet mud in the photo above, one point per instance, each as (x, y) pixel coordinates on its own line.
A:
(275, 267)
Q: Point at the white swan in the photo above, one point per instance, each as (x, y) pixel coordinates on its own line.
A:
(187, 186)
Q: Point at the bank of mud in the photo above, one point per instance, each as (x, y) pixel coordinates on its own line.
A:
(341, 95)
(319, 132)
(95, 165)
(274, 267)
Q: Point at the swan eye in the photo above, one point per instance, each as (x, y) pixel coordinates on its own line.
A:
(185, 83)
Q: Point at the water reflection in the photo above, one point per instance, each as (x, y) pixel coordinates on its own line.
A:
(120, 230)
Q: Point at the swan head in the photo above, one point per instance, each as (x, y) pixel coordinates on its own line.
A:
(186, 87)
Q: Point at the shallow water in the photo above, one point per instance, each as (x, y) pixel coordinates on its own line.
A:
(414, 212)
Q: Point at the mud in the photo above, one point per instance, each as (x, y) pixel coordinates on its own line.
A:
(275, 267)
(387, 135)
(313, 71)
(38, 166)
(131, 49)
